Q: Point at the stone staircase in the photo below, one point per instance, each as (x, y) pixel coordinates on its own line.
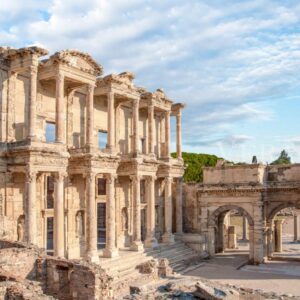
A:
(123, 268)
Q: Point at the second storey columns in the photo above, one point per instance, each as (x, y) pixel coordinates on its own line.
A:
(111, 120)
(90, 115)
(136, 126)
(60, 108)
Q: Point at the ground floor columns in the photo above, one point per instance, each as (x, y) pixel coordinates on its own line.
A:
(179, 206)
(137, 244)
(295, 227)
(150, 236)
(91, 243)
(110, 248)
(245, 228)
(278, 235)
(59, 216)
(168, 236)
(31, 225)
(211, 246)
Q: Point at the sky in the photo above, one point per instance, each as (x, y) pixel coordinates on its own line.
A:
(235, 64)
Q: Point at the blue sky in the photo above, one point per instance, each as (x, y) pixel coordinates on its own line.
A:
(236, 64)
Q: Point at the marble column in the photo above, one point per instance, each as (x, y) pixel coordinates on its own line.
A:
(211, 247)
(245, 228)
(137, 244)
(151, 241)
(168, 236)
(136, 149)
(91, 243)
(295, 227)
(151, 128)
(60, 109)
(59, 216)
(90, 116)
(32, 102)
(278, 235)
(110, 247)
(111, 121)
(178, 135)
(167, 133)
(31, 218)
(179, 206)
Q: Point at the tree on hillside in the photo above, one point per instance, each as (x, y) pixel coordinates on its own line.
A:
(254, 159)
(282, 159)
(194, 163)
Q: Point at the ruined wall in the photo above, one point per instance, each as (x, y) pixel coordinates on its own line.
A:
(283, 173)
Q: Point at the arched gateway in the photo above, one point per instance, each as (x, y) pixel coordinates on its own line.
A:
(256, 192)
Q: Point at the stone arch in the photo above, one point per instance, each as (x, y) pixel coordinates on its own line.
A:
(281, 206)
(225, 208)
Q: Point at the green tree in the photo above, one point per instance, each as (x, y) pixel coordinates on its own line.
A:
(282, 159)
(194, 163)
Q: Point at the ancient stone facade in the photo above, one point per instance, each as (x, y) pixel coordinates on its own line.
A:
(257, 192)
(85, 166)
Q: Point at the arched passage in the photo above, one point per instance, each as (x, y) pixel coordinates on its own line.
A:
(216, 230)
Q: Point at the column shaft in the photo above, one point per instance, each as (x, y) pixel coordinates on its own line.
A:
(278, 235)
(178, 134)
(31, 222)
(60, 109)
(167, 133)
(111, 120)
(295, 227)
(151, 128)
(32, 101)
(179, 206)
(59, 217)
(168, 236)
(110, 248)
(90, 116)
(91, 245)
(136, 243)
(151, 240)
(245, 227)
(136, 149)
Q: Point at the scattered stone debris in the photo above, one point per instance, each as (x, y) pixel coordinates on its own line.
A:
(164, 269)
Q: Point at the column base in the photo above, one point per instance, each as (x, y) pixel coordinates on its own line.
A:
(92, 257)
(137, 246)
(168, 238)
(151, 242)
(109, 253)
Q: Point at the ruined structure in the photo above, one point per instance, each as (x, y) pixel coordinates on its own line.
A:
(85, 166)
(257, 192)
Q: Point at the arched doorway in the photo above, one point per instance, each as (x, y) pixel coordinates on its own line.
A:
(284, 231)
(230, 227)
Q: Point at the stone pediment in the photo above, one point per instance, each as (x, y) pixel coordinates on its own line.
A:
(124, 79)
(78, 60)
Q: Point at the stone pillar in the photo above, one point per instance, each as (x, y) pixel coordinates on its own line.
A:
(278, 235)
(159, 137)
(178, 135)
(232, 238)
(269, 240)
(211, 241)
(110, 248)
(179, 206)
(136, 149)
(151, 128)
(60, 109)
(168, 236)
(295, 227)
(32, 102)
(245, 228)
(31, 222)
(167, 129)
(137, 244)
(258, 233)
(59, 216)
(91, 243)
(111, 121)
(150, 239)
(90, 116)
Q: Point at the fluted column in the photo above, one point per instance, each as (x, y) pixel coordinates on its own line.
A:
(295, 227)
(111, 121)
(91, 243)
(60, 109)
(59, 216)
(178, 135)
(110, 247)
(31, 222)
(136, 149)
(90, 116)
(150, 236)
(32, 102)
(168, 236)
(167, 133)
(179, 206)
(137, 244)
(151, 128)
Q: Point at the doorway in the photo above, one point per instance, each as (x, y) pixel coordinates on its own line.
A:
(101, 225)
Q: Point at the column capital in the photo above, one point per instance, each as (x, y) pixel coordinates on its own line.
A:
(90, 87)
(31, 175)
(168, 179)
(33, 69)
(60, 77)
(150, 178)
(135, 178)
(60, 176)
(110, 177)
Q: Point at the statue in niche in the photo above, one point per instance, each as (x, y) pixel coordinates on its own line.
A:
(79, 224)
(20, 228)
(124, 219)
